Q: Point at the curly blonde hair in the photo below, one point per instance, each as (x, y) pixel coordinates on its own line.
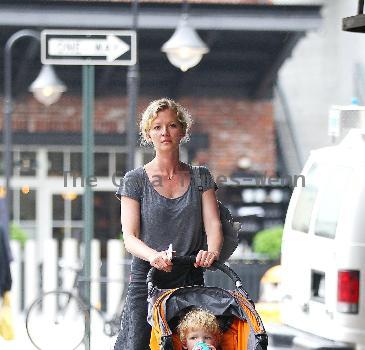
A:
(183, 116)
(199, 319)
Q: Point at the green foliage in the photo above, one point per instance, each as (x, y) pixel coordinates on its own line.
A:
(268, 242)
(18, 234)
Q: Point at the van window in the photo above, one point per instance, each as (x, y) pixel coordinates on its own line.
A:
(307, 197)
(330, 201)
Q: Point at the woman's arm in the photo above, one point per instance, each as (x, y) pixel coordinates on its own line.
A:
(213, 230)
(130, 219)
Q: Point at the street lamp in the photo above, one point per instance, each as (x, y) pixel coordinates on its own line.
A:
(47, 88)
(8, 108)
(185, 48)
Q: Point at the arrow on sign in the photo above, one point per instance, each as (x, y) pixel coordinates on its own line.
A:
(111, 47)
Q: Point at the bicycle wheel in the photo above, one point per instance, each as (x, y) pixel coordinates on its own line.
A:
(57, 320)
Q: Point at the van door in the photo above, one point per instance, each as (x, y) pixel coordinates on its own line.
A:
(328, 210)
(295, 248)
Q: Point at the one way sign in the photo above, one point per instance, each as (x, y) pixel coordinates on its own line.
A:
(88, 47)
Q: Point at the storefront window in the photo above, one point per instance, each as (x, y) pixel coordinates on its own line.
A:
(121, 164)
(58, 232)
(27, 163)
(101, 164)
(55, 164)
(67, 215)
(106, 216)
(76, 163)
(27, 204)
(58, 208)
(1, 163)
(76, 208)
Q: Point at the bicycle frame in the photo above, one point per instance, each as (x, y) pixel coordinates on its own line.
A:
(110, 323)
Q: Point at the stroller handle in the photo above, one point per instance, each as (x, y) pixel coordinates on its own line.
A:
(190, 260)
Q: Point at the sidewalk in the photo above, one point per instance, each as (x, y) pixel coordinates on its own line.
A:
(22, 342)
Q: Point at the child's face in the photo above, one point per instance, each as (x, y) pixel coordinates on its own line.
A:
(199, 335)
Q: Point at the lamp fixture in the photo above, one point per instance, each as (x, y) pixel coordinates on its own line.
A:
(185, 48)
(355, 23)
(47, 88)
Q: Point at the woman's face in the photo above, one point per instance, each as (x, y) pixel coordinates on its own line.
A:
(166, 131)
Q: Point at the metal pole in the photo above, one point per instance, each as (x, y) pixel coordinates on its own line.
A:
(88, 96)
(132, 91)
(360, 9)
(8, 110)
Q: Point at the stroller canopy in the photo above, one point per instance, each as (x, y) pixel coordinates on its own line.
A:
(241, 325)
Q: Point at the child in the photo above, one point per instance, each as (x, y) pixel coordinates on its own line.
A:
(199, 329)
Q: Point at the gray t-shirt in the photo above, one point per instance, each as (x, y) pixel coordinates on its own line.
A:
(168, 220)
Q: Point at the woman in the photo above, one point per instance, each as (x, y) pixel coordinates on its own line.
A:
(160, 205)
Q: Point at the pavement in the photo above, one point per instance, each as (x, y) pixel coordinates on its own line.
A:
(21, 342)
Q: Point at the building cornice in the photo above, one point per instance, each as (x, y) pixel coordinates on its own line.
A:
(162, 16)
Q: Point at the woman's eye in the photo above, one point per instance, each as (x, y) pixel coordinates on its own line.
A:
(157, 127)
(173, 125)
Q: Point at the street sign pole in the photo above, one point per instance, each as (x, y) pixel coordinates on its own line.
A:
(132, 90)
(88, 97)
(89, 48)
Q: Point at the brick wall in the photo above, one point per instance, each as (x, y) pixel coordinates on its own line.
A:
(235, 127)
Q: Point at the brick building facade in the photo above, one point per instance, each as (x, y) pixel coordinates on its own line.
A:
(234, 127)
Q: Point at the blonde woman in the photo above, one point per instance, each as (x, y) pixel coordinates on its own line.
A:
(161, 205)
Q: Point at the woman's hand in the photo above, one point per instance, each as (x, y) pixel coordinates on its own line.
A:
(161, 261)
(205, 258)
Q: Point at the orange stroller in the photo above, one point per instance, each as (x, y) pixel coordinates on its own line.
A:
(241, 325)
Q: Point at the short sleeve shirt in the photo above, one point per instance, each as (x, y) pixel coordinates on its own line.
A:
(168, 220)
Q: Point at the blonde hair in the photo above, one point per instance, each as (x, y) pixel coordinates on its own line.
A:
(199, 319)
(183, 117)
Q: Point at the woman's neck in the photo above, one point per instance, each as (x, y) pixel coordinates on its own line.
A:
(168, 164)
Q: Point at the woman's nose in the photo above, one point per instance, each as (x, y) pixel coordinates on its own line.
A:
(165, 130)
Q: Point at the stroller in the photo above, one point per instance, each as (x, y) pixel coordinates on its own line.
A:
(241, 325)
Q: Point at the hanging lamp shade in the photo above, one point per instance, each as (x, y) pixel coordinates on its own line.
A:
(47, 88)
(185, 48)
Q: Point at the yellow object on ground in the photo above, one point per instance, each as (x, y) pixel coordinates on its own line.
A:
(269, 312)
(272, 275)
(268, 306)
(6, 319)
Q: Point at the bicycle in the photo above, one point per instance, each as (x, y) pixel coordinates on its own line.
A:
(61, 316)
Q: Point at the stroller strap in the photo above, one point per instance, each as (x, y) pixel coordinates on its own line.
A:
(252, 317)
(159, 314)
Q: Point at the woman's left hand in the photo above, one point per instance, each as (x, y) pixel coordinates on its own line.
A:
(205, 258)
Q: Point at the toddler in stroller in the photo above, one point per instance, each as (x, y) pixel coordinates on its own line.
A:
(240, 325)
(199, 330)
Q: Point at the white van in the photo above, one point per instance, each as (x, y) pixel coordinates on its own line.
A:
(323, 249)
